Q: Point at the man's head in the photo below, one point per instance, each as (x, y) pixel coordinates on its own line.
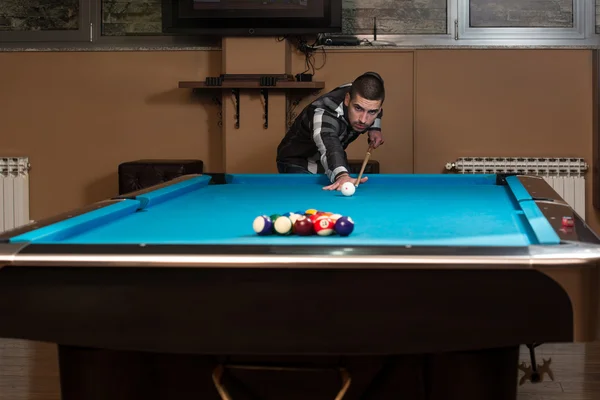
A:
(364, 101)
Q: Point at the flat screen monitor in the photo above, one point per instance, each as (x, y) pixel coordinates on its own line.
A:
(251, 17)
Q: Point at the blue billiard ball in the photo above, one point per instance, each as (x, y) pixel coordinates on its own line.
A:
(263, 225)
(344, 226)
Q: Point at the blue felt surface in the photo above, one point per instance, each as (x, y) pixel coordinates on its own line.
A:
(459, 210)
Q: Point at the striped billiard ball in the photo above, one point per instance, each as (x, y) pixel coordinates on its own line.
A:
(294, 218)
(335, 217)
(324, 226)
(262, 225)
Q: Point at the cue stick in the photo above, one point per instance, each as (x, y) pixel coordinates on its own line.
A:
(364, 165)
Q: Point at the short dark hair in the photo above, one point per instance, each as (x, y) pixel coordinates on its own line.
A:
(369, 86)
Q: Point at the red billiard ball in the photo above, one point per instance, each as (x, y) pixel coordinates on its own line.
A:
(303, 226)
(568, 221)
(324, 226)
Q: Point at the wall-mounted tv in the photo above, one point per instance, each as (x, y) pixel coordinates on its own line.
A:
(251, 17)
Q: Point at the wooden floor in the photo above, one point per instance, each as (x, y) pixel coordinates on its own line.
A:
(29, 371)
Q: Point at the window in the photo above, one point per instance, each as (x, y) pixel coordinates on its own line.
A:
(433, 22)
(412, 17)
(44, 20)
(523, 19)
(136, 21)
(130, 17)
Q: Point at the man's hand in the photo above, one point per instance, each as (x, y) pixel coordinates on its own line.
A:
(337, 185)
(375, 138)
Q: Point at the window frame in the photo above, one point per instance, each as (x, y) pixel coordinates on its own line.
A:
(143, 40)
(423, 38)
(80, 35)
(458, 34)
(579, 31)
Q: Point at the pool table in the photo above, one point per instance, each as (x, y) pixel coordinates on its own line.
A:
(168, 292)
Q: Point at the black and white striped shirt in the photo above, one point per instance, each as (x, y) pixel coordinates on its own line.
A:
(318, 138)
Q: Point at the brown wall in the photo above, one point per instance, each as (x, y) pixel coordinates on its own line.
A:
(78, 115)
(504, 103)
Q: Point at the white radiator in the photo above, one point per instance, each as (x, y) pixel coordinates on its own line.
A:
(14, 192)
(565, 175)
(571, 189)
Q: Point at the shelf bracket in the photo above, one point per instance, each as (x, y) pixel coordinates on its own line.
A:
(295, 92)
(236, 96)
(265, 94)
(292, 101)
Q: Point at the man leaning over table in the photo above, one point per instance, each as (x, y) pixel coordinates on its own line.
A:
(317, 140)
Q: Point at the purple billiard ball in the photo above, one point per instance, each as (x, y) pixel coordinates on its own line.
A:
(263, 225)
(344, 226)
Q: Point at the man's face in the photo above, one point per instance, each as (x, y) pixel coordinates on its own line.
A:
(362, 112)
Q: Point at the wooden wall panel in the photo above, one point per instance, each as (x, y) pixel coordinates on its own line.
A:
(511, 103)
(78, 115)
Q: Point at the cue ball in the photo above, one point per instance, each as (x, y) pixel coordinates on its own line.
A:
(348, 189)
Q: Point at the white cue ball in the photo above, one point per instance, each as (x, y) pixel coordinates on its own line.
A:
(348, 189)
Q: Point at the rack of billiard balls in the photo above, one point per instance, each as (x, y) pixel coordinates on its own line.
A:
(307, 223)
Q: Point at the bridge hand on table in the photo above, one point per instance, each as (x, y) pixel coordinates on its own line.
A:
(337, 185)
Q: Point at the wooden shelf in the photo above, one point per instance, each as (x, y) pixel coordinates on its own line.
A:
(251, 85)
(235, 85)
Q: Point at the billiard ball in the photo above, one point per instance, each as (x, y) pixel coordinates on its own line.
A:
(335, 217)
(314, 217)
(283, 225)
(303, 226)
(348, 189)
(344, 226)
(568, 221)
(294, 217)
(262, 225)
(324, 226)
(274, 217)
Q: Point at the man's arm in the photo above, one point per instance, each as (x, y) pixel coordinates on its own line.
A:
(374, 135)
(326, 130)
